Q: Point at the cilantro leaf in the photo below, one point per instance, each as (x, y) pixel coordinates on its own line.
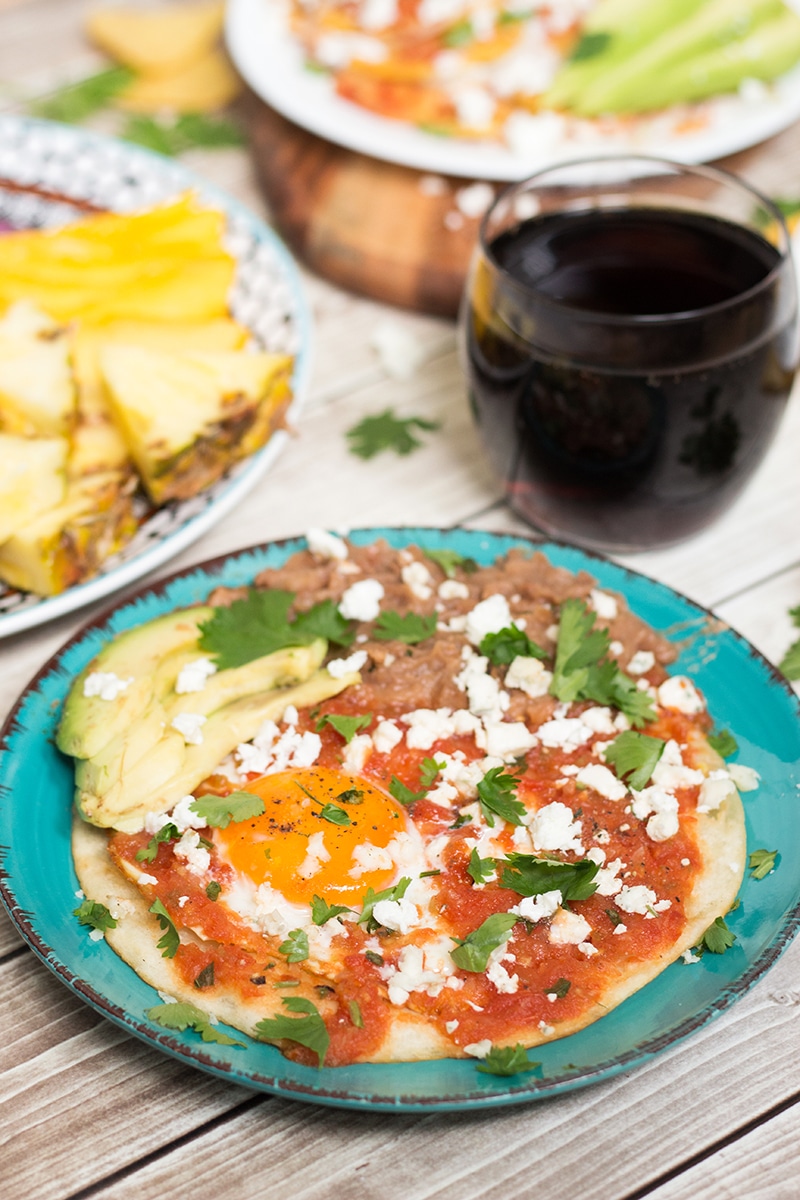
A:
(559, 988)
(205, 978)
(167, 833)
(188, 131)
(259, 625)
(614, 916)
(371, 898)
(794, 613)
(321, 911)
(634, 757)
(532, 876)
(308, 1030)
(472, 952)
(448, 560)
(790, 663)
(182, 1016)
(386, 431)
(347, 727)
(717, 938)
(507, 644)
(334, 814)
(94, 914)
(76, 101)
(355, 1013)
(761, 862)
(459, 34)
(607, 684)
(410, 628)
(402, 794)
(375, 959)
(213, 890)
(295, 948)
(429, 772)
(724, 743)
(219, 811)
(590, 45)
(496, 796)
(169, 942)
(480, 869)
(507, 1060)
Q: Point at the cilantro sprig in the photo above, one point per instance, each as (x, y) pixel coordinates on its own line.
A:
(717, 938)
(497, 797)
(182, 1016)
(634, 756)
(186, 131)
(94, 914)
(307, 1030)
(219, 811)
(503, 647)
(371, 898)
(321, 911)
(450, 560)
(170, 940)
(530, 875)
(260, 625)
(74, 102)
(167, 833)
(480, 869)
(410, 628)
(387, 431)
(295, 947)
(761, 862)
(723, 742)
(472, 952)
(790, 663)
(346, 726)
(507, 1060)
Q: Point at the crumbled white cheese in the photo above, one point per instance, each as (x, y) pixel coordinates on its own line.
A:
(603, 781)
(679, 693)
(400, 350)
(484, 694)
(529, 675)
(637, 899)
(96, 935)
(418, 579)
(538, 908)
(196, 857)
(607, 878)
(339, 667)
(105, 684)
(670, 773)
(564, 733)
(190, 727)
(715, 790)
(194, 675)
(451, 1026)
(620, 928)
(505, 983)
(599, 719)
(323, 544)
(488, 616)
(453, 589)
(641, 662)
(554, 828)
(508, 739)
(689, 957)
(316, 854)
(603, 604)
(272, 751)
(568, 929)
(411, 975)
(746, 778)
(478, 1049)
(400, 915)
(545, 1029)
(588, 949)
(362, 600)
(429, 725)
(356, 753)
(144, 878)
(663, 824)
(385, 736)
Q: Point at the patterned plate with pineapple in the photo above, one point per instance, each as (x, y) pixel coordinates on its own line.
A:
(53, 175)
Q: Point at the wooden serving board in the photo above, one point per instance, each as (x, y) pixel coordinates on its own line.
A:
(369, 226)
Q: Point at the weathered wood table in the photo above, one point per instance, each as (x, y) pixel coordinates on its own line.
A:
(88, 1111)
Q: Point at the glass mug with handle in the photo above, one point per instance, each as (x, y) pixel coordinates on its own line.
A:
(629, 338)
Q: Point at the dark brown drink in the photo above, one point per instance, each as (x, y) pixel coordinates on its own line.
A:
(628, 367)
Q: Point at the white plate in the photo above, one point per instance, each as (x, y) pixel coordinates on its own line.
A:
(273, 63)
(53, 171)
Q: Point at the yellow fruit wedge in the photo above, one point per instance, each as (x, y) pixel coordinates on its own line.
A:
(157, 41)
(32, 479)
(204, 85)
(186, 417)
(37, 396)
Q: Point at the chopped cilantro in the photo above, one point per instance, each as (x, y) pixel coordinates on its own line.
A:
(334, 814)
(355, 1013)
(496, 793)
(410, 628)
(76, 101)
(205, 978)
(480, 869)
(507, 1060)
(91, 912)
(608, 684)
(614, 917)
(590, 46)
(429, 874)
(459, 34)
(503, 647)
(170, 941)
(429, 772)
(375, 959)
(386, 431)
(761, 862)
(579, 646)
(187, 131)
(634, 757)
(219, 811)
(448, 560)
(295, 948)
(402, 794)
(790, 663)
(472, 952)
(371, 898)
(724, 743)
(213, 890)
(260, 625)
(307, 1030)
(185, 1016)
(717, 938)
(532, 876)
(559, 988)
(167, 833)
(351, 795)
(321, 911)
(347, 727)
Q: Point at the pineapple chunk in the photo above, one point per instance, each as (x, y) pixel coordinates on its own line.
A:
(160, 41)
(186, 417)
(37, 396)
(32, 479)
(204, 85)
(66, 544)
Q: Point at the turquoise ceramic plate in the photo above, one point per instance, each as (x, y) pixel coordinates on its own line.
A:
(745, 694)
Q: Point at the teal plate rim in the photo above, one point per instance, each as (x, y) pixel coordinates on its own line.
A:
(745, 693)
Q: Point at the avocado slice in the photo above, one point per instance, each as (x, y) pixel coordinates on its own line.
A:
(88, 723)
(125, 806)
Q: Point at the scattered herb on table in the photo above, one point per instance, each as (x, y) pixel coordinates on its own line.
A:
(387, 431)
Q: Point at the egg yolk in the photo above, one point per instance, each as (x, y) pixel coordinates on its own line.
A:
(304, 842)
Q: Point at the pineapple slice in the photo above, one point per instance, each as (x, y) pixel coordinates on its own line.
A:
(66, 544)
(186, 417)
(37, 395)
(32, 479)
